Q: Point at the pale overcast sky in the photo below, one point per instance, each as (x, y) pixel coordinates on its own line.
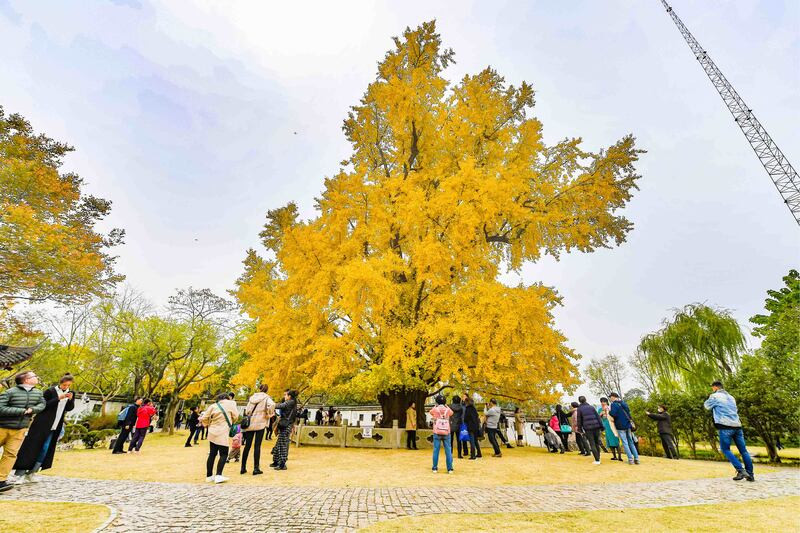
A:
(184, 115)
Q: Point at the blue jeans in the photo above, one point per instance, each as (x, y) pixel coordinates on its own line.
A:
(736, 436)
(626, 437)
(448, 451)
(45, 447)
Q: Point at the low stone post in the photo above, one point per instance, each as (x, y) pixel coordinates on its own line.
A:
(396, 433)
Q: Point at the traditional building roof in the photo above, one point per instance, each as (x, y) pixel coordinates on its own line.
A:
(11, 356)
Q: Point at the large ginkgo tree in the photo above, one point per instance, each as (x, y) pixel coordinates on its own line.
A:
(392, 290)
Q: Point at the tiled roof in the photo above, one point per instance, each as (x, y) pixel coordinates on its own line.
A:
(14, 355)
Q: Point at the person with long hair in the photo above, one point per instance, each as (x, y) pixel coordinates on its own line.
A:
(39, 447)
(564, 426)
(473, 422)
(288, 410)
(219, 418)
(259, 408)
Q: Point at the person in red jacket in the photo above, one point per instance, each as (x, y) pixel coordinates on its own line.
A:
(143, 416)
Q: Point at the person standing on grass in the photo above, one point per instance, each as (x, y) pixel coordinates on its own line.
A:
(288, 410)
(519, 425)
(39, 446)
(473, 422)
(492, 421)
(259, 408)
(17, 406)
(219, 418)
(726, 419)
(502, 429)
(441, 433)
(144, 416)
(455, 425)
(580, 439)
(591, 426)
(564, 427)
(625, 427)
(127, 425)
(193, 423)
(411, 426)
(664, 423)
(612, 439)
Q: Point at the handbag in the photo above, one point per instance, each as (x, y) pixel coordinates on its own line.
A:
(232, 430)
(565, 428)
(463, 432)
(244, 423)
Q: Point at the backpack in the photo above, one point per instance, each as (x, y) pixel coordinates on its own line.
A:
(123, 414)
(441, 426)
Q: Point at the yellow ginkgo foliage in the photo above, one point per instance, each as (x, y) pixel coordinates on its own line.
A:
(50, 246)
(392, 291)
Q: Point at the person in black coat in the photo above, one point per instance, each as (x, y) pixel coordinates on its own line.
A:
(455, 426)
(473, 422)
(664, 424)
(127, 425)
(39, 447)
(589, 422)
(288, 410)
(193, 424)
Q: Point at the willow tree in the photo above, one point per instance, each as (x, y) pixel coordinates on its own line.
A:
(698, 345)
(392, 289)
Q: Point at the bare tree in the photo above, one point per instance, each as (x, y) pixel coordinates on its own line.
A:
(606, 375)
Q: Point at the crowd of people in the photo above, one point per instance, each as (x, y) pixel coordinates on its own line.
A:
(32, 421)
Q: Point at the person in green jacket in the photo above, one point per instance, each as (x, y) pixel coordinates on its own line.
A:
(17, 407)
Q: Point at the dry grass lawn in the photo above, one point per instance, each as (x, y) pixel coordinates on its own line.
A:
(163, 458)
(768, 516)
(24, 516)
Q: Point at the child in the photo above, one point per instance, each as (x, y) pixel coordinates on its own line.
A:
(236, 446)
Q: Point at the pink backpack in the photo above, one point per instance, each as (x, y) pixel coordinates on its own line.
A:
(441, 426)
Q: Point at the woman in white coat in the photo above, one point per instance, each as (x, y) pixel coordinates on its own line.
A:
(219, 417)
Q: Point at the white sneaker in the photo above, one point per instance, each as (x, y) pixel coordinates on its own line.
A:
(596, 463)
(16, 480)
(210, 478)
(220, 479)
(32, 478)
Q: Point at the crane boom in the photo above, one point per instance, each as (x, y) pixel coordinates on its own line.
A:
(782, 173)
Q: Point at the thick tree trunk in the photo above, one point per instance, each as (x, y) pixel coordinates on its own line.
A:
(395, 402)
(169, 414)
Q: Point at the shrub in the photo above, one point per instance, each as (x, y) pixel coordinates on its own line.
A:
(74, 432)
(95, 422)
(90, 439)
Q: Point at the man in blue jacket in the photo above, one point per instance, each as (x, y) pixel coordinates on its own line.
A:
(726, 420)
(621, 414)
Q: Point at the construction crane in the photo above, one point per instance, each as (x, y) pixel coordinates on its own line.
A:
(782, 173)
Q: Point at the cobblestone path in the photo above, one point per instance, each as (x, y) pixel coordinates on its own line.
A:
(183, 507)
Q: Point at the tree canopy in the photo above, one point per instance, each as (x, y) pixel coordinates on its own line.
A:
(50, 248)
(698, 345)
(394, 284)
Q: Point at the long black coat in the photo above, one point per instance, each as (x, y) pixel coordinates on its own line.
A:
(472, 420)
(39, 430)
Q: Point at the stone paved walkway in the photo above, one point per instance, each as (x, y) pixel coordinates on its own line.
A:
(183, 507)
